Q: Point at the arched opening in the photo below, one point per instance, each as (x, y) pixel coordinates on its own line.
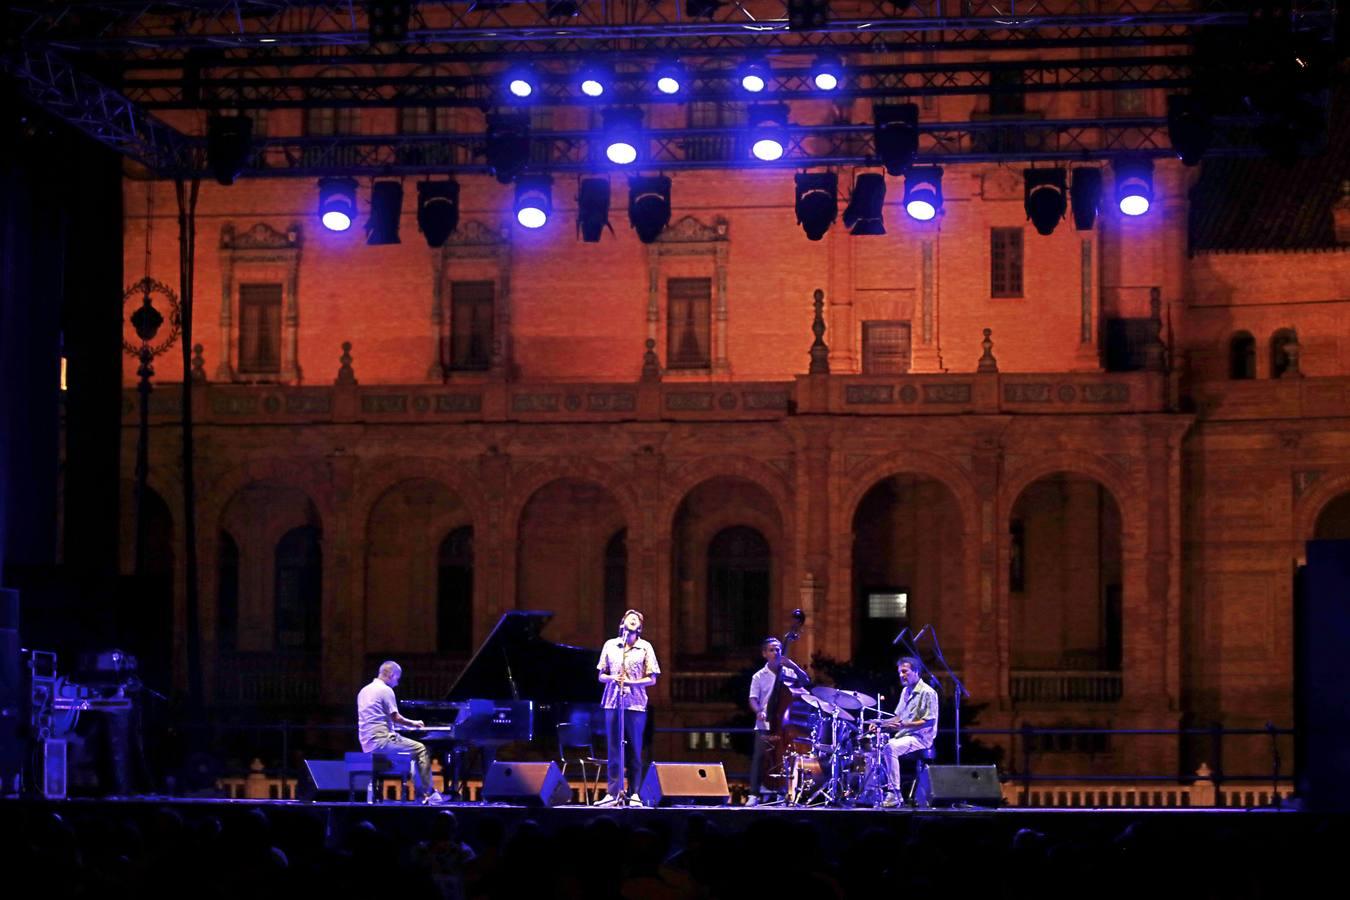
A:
(419, 574)
(739, 588)
(299, 590)
(1333, 522)
(725, 572)
(257, 519)
(227, 594)
(1242, 356)
(1280, 360)
(908, 568)
(454, 593)
(1065, 577)
(616, 577)
(565, 531)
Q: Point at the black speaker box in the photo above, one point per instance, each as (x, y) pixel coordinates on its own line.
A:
(328, 781)
(526, 783)
(976, 785)
(685, 784)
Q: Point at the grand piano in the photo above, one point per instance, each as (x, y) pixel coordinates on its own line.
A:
(517, 687)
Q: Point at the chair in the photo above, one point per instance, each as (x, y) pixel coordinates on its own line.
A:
(375, 767)
(576, 745)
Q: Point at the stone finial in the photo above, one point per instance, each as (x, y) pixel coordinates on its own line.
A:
(1291, 367)
(346, 374)
(198, 364)
(1340, 214)
(987, 361)
(651, 366)
(820, 353)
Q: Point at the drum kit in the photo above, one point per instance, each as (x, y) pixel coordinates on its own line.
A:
(834, 748)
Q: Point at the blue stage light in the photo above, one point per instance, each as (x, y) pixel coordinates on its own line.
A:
(534, 200)
(923, 192)
(337, 203)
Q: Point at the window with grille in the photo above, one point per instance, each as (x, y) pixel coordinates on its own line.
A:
(712, 114)
(885, 348)
(1005, 257)
(688, 323)
(1007, 97)
(259, 329)
(471, 325)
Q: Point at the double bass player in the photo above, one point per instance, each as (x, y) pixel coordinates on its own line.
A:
(778, 673)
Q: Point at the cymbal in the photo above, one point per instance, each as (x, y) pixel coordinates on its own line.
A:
(843, 699)
(864, 699)
(826, 707)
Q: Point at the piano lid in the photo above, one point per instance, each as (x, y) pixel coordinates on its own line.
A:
(516, 663)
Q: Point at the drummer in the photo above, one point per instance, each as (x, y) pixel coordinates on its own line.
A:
(776, 665)
(915, 723)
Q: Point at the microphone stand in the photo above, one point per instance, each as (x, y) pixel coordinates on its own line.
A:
(959, 689)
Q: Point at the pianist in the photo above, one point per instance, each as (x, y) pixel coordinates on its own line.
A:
(627, 668)
(377, 714)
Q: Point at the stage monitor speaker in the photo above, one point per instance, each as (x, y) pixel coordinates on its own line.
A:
(526, 784)
(685, 784)
(1322, 678)
(975, 785)
(328, 781)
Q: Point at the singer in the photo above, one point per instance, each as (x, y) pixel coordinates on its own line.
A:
(627, 668)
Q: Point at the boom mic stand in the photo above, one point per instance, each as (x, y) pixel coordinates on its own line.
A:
(958, 688)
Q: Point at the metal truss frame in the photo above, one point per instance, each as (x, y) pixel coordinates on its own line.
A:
(109, 117)
(1002, 140)
(134, 27)
(429, 88)
(209, 47)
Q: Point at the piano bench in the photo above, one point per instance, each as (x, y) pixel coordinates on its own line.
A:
(375, 767)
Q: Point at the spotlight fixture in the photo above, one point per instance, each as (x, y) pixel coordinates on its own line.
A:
(228, 140)
(826, 73)
(649, 206)
(1085, 194)
(768, 131)
(437, 210)
(508, 144)
(337, 203)
(807, 15)
(595, 80)
(754, 77)
(593, 209)
(1134, 185)
(622, 128)
(670, 78)
(923, 192)
(895, 130)
(522, 83)
(1188, 127)
(388, 20)
(534, 200)
(817, 202)
(705, 9)
(864, 213)
(386, 207)
(1044, 197)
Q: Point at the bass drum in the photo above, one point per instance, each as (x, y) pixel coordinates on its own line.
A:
(806, 774)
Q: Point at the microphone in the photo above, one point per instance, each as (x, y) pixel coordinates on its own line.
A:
(900, 637)
(922, 632)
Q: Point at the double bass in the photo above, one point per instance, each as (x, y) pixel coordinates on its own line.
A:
(785, 736)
